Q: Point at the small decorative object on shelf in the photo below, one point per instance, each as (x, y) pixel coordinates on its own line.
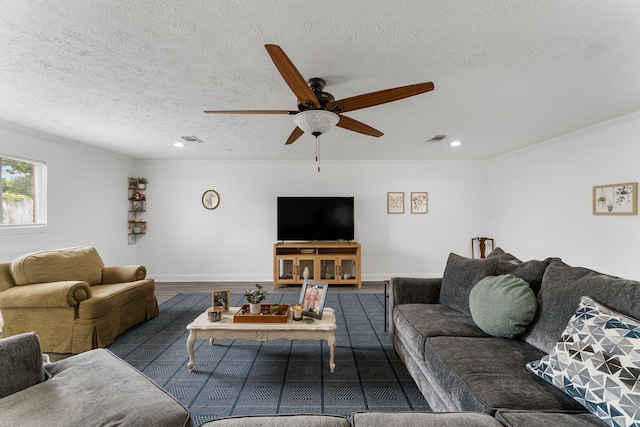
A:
(142, 183)
(255, 297)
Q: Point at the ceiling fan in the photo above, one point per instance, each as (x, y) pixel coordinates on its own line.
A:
(318, 111)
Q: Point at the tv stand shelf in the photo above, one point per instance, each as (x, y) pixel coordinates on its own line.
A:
(331, 262)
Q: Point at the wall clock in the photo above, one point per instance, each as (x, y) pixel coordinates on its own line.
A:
(210, 199)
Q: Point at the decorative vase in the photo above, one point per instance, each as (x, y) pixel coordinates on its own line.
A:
(306, 273)
(254, 308)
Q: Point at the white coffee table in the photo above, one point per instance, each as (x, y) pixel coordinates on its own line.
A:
(320, 329)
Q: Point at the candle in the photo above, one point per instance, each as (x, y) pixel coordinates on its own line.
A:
(297, 312)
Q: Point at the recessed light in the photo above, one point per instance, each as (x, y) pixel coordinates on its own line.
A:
(455, 144)
(178, 144)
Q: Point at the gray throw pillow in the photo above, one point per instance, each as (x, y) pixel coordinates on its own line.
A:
(460, 275)
(502, 306)
(562, 287)
(530, 271)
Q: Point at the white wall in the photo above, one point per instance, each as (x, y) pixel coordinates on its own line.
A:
(540, 199)
(186, 242)
(87, 197)
(535, 203)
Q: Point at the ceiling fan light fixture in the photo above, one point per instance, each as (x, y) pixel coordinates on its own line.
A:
(316, 122)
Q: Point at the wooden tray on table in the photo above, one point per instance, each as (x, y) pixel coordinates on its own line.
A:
(244, 315)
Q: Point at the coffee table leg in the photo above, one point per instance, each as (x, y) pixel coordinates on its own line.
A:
(331, 340)
(190, 341)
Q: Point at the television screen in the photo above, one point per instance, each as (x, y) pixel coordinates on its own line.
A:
(315, 218)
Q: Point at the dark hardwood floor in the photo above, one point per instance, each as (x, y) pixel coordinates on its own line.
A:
(166, 290)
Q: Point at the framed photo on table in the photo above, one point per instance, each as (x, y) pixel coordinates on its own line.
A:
(312, 298)
(220, 299)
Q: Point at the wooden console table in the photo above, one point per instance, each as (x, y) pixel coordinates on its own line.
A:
(331, 262)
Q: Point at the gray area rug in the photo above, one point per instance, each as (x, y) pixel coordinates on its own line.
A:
(238, 377)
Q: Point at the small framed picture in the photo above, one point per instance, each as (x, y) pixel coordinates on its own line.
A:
(220, 299)
(133, 182)
(419, 203)
(615, 199)
(395, 202)
(312, 298)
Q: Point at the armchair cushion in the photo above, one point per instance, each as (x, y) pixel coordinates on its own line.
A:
(20, 363)
(78, 263)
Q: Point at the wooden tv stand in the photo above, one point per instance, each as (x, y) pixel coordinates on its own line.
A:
(331, 262)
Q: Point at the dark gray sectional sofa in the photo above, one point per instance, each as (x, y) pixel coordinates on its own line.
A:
(460, 367)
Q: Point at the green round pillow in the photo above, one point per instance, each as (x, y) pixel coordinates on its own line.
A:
(502, 306)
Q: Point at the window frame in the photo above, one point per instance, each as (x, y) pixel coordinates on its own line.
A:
(39, 199)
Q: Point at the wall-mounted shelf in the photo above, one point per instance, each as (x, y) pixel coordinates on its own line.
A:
(137, 226)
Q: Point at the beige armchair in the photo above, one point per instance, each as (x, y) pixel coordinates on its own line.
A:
(71, 300)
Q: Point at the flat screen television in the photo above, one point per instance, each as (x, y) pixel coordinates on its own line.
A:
(315, 218)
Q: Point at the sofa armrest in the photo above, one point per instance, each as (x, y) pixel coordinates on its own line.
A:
(40, 295)
(20, 363)
(123, 274)
(409, 290)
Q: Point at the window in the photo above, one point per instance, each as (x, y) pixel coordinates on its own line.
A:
(23, 194)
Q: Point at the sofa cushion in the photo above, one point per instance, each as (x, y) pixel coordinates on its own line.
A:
(486, 374)
(597, 362)
(562, 287)
(547, 419)
(93, 388)
(502, 306)
(422, 419)
(460, 275)
(78, 263)
(530, 271)
(417, 322)
(282, 420)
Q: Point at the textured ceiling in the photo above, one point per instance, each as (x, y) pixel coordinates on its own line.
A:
(132, 77)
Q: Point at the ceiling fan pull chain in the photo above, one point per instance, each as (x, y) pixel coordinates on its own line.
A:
(317, 153)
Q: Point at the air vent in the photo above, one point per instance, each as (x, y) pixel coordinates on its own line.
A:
(437, 138)
(191, 139)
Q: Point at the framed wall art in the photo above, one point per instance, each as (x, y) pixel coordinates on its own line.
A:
(220, 299)
(312, 298)
(615, 199)
(395, 202)
(419, 203)
(210, 199)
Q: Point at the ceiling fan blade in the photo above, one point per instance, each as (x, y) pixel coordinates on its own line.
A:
(251, 112)
(291, 75)
(297, 133)
(380, 97)
(356, 126)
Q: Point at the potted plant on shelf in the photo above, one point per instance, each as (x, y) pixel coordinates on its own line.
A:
(142, 183)
(255, 297)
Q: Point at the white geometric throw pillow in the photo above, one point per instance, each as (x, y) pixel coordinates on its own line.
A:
(597, 362)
